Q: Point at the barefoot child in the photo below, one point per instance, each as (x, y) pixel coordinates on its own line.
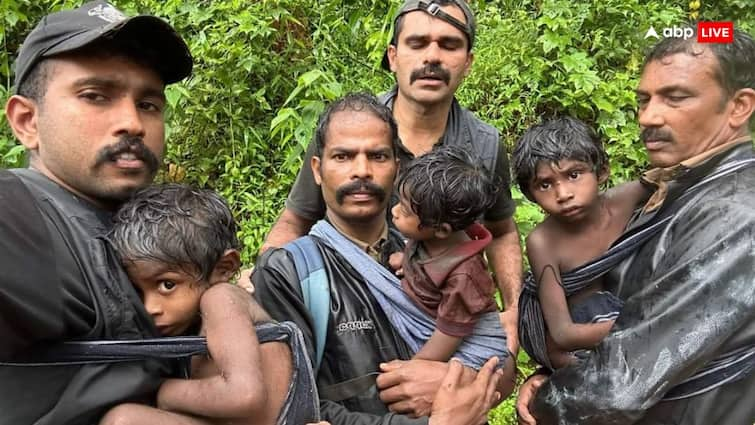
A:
(180, 249)
(560, 164)
(441, 194)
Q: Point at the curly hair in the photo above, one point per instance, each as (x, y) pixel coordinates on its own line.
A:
(554, 140)
(447, 185)
(177, 225)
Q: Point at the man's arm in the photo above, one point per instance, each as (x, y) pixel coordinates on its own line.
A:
(288, 227)
(31, 289)
(505, 256)
(687, 306)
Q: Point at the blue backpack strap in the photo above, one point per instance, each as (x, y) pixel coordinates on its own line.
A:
(314, 288)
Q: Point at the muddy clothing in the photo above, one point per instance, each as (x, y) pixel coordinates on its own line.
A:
(463, 129)
(359, 336)
(59, 283)
(455, 288)
(689, 298)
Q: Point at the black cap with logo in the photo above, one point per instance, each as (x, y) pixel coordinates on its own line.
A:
(434, 9)
(70, 30)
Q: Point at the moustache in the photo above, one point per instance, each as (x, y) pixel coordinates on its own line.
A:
(128, 144)
(656, 134)
(362, 186)
(430, 70)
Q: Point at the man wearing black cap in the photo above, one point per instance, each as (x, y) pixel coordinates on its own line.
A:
(430, 54)
(88, 106)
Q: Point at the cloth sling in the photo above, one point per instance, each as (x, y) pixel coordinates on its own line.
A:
(412, 324)
(725, 368)
(302, 402)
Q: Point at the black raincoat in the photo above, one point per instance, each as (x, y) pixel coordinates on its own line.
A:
(57, 283)
(689, 296)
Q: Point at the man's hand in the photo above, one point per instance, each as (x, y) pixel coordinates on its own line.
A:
(457, 403)
(524, 400)
(509, 320)
(245, 280)
(409, 386)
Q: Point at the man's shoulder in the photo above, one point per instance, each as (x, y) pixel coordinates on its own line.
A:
(479, 126)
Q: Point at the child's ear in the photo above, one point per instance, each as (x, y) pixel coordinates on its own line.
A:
(443, 231)
(603, 174)
(227, 266)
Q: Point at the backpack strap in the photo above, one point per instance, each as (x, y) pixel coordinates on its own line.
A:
(314, 288)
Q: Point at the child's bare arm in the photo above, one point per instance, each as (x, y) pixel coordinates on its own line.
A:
(238, 390)
(545, 268)
(440, 347)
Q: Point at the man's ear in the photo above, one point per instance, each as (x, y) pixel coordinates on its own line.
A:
(22, 113)
(744, 107)
(392, 57)
(227, 266)
(443, 231)
(468, 65)
(315, 164)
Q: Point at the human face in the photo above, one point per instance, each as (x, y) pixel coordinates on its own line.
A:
(357, 167)
(566, 190)
(170, 294)
(408, 223)
(683, 110)
(431, 57)
(100, 128)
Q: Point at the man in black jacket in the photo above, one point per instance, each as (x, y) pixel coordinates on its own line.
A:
(355, 166)
(88, 107)
(683, 349)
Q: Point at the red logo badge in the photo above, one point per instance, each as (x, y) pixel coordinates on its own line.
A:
(715, 32)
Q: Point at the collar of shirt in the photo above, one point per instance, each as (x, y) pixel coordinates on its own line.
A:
(660, 177)
(457, 128)
(372, 249)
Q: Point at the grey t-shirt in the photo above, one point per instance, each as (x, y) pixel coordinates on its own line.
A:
(463, 129)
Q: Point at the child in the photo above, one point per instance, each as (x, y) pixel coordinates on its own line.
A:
(441, 194)
(179, 247)
(560, 164)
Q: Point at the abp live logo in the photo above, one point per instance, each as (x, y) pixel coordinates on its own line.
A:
(715, 32)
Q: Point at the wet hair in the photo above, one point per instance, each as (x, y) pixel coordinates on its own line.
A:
(447, 185)
(552, 141)
(399, 25)
(355, 102)
(736, 60)
(177, 225)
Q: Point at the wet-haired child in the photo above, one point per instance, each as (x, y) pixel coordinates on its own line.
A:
(180, 249)
(441, 195)
(560, 164)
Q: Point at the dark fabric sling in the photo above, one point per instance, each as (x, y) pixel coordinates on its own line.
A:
(302, 402)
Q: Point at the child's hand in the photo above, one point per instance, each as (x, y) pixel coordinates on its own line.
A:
(395, 261)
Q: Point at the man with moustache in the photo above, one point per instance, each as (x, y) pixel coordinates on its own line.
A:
(430, 54)
(88, 107)
(355, 166)
(683, 349)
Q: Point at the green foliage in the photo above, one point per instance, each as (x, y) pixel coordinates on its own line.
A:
(265, 70)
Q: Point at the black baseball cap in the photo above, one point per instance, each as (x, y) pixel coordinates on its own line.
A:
(434, 9)
(70, 30)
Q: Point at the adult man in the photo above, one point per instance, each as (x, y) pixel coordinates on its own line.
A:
(88, 107)
(683, 349)
(430, 54)
(355, 166)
